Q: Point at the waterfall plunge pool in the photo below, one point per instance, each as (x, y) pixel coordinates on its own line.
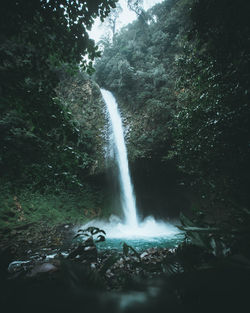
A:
(138, 234)
(141, 244)
(147, 234)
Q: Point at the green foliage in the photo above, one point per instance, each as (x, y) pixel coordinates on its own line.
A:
(136, 67)
(126, 248)
(84, 105)
(91, 233)
(220, 240)
(41, 42)
(211, 128)
(181, 77)
(53, 205)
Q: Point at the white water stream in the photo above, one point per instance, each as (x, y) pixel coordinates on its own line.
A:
(127, 193)
(131, 227)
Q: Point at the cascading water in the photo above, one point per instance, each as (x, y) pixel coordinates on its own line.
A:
(138, 233)
(128, 198)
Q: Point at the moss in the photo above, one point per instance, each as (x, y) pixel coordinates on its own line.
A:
(54, 207)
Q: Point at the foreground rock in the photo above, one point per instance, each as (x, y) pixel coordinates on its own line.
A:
(32, 238)
(79, 278)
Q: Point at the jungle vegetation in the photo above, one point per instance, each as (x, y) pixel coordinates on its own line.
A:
(43, 148)
(179, 72)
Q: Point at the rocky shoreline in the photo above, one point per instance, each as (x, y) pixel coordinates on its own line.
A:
(47, 270)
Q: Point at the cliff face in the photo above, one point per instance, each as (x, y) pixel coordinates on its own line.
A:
(82, 97)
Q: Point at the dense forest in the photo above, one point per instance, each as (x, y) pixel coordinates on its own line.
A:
(180, 74)
(45, 148)
(182, 77)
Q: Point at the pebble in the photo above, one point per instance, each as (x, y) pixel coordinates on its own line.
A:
(93, 266)
(143, 254)
(89, 248)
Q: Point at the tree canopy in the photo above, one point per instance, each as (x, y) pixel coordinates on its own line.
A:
(182, 75)
(41, 42)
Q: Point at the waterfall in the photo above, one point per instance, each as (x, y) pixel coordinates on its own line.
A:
(127, 194)
(131, 227)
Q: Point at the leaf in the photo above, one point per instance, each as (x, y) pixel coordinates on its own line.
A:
(185, 221)
(198, 229)
(77, 235)
(196, 239)
(100, 238)
(125, 249)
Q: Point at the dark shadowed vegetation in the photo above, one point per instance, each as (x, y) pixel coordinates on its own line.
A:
(180, 73)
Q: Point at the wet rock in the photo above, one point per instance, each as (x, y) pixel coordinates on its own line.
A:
(109, 274)
(42, 268)
(17, 266)
(85, 251)
(93, 266)
(143, 254)
(89, 248)
(61, 255)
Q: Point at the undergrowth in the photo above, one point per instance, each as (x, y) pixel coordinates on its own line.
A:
(51, 205)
